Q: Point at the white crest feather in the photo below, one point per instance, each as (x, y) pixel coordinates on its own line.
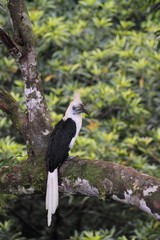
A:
(77, 96)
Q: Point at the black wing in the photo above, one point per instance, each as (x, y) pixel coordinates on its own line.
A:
(58, 146)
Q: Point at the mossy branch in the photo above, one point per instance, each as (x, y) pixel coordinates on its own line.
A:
(106, 179)
(101, 179)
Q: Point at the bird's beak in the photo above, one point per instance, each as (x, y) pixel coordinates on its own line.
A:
(84, 110)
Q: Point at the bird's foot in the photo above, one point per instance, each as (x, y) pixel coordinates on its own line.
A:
(72, 157)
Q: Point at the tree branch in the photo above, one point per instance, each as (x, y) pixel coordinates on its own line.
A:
(93, 178)
(22, 26)
(9, 105)
(124, 184)
(9, 43)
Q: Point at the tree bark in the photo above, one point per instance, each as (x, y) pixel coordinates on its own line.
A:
(38, 115)
(101, 179)
(106, 179)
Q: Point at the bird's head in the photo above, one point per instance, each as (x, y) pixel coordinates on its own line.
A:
(76, 107)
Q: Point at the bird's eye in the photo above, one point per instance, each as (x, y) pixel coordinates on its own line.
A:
(74, 108)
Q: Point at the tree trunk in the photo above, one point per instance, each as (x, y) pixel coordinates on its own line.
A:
(22, 48)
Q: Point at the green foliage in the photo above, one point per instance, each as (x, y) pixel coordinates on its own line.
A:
(7, 232)
(97, 235)
(108, 50)
(11, 152)
(149, 230)
(146, 231)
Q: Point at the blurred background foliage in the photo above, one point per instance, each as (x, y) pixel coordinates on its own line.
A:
(109, 50)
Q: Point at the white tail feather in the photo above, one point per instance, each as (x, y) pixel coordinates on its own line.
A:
(52, 194)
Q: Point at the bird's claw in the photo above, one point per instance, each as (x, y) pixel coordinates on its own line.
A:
(72, 157)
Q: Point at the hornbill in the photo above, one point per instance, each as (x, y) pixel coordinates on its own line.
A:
(61, 140)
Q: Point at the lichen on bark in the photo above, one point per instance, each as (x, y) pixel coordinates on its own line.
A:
(121, 183)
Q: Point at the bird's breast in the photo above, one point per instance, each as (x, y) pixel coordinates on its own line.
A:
(78, 121)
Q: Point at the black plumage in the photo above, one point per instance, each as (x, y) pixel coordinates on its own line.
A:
(59, 142)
